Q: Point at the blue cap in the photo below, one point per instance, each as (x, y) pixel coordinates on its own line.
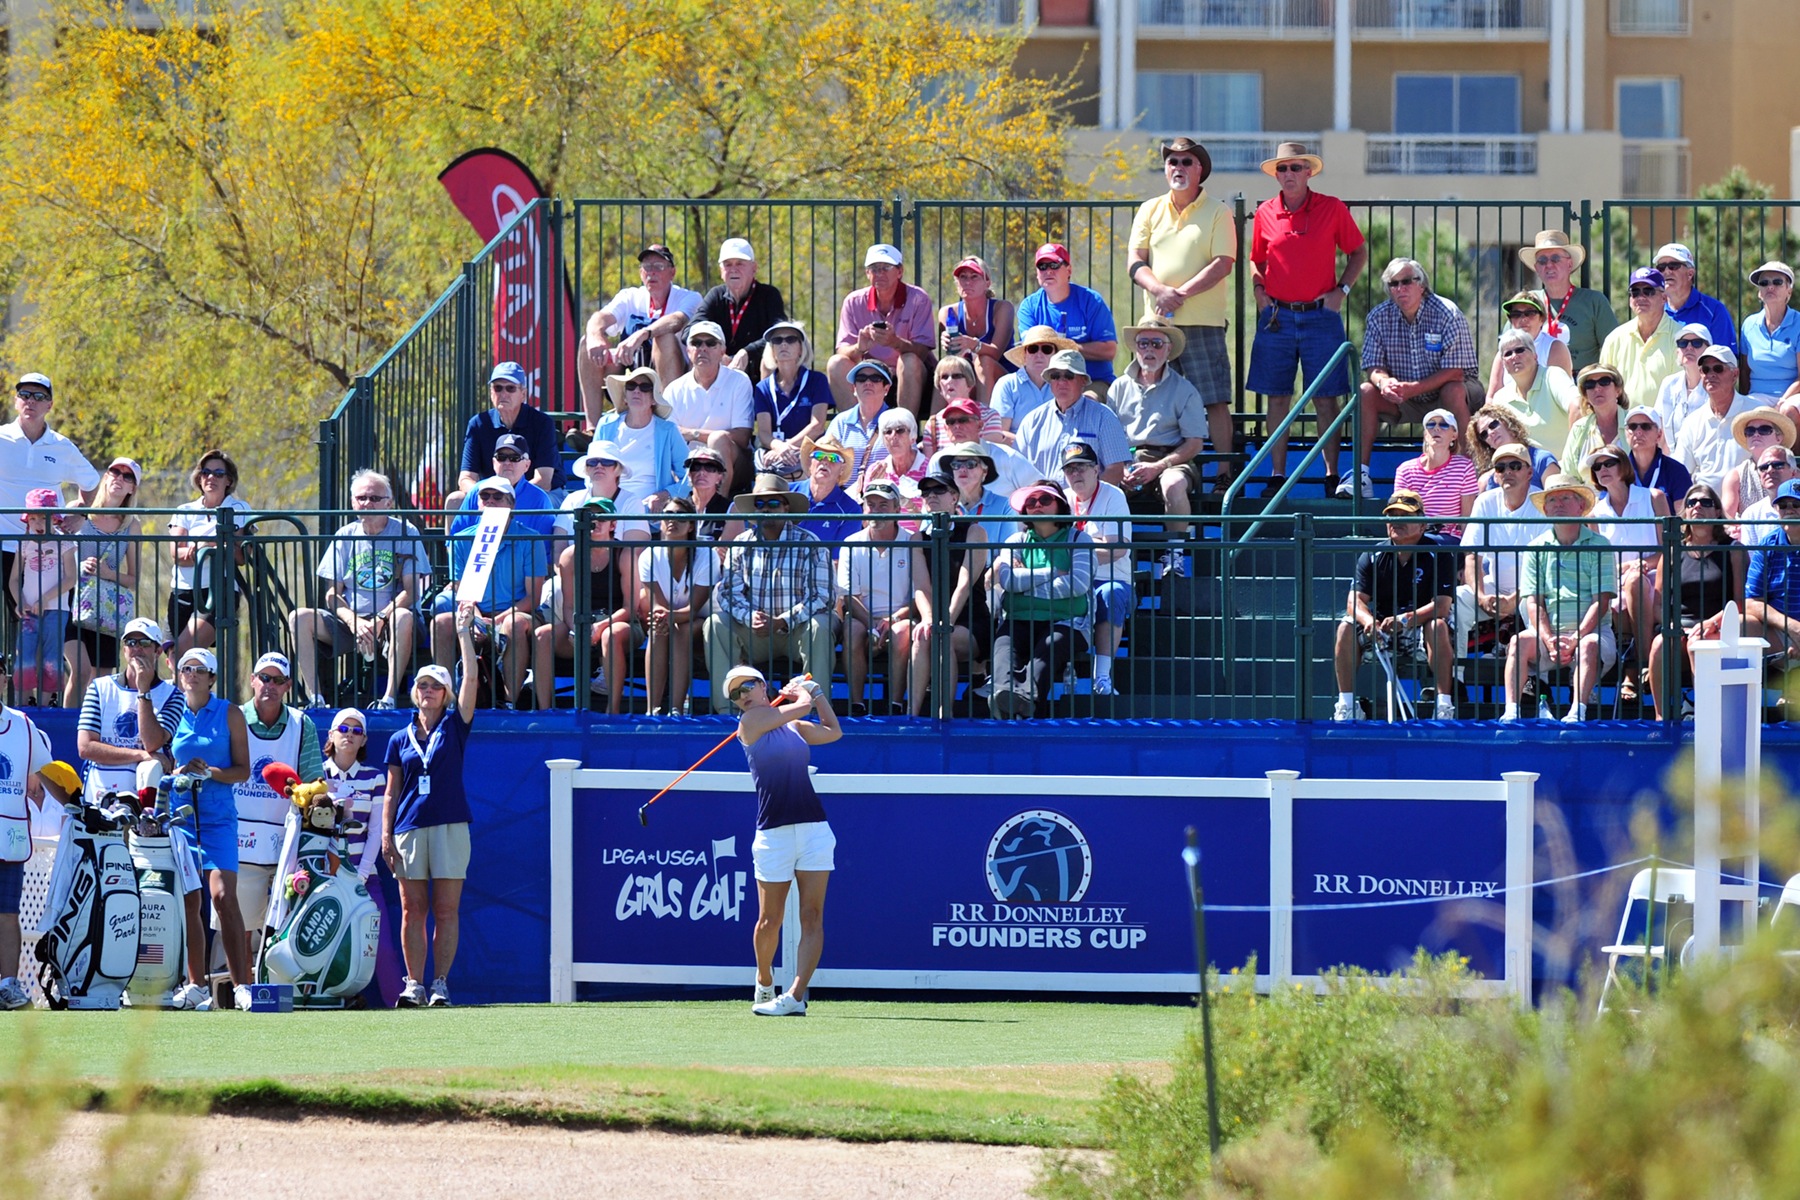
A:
(873, 364)
(1649, 275)
(511, 372)
(1789, 490)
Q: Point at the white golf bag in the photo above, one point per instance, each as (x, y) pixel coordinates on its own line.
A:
(327, 930)
(88, 943)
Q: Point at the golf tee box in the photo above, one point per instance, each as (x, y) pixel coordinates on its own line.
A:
(271, 997)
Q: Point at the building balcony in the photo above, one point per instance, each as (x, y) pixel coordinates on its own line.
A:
(1655, 170)
(1236, 19)
(1649, 18)
(1453, 20)
(1440, 154)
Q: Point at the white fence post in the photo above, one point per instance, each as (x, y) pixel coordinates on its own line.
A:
(562, 837)
(1521, 820)
(1281, 877)
(1728, 675)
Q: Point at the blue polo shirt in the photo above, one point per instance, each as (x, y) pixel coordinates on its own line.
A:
(518, 560)
(1710, 312)
(539, 431)
(1774, 357)
(1043, 434)
(447, 803)
(838, 504)
(1082, 317)
(1775, 574)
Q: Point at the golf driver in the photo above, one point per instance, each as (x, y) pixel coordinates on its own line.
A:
(644, 812)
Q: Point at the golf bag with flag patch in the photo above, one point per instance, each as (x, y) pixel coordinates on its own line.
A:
(167, 872)
(88, 943)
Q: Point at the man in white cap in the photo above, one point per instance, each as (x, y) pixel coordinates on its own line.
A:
(1073, 415)
(1295, 241)
(27, 749)
(712, 404)
(127, 717)
(647, 320)
(743, 306)
(33, 455)
(1705, 444)
(1686, 303)
(891, 321)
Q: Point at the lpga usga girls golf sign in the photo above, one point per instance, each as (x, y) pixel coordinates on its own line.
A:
(1047, 883)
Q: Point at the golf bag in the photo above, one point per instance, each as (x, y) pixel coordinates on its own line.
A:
(166, 874)
(88, 946)
(327, 931)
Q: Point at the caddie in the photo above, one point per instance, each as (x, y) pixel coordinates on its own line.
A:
(278, 733)
(24, 750)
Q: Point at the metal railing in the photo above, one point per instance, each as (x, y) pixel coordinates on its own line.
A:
(1649, 18)
(1729, 238)
(1443, 154)
(1654, 170)
(1242, 18)
(1458, 19)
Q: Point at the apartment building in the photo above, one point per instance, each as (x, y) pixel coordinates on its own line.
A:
(1430, 99)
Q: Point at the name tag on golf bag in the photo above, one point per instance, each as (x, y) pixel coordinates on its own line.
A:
(327, 945)
(162, 922)
(89, 942)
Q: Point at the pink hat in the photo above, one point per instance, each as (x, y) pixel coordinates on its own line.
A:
(42, 498)
(971, 263)
(1052, 250)
(1025, 495)
(963, 408)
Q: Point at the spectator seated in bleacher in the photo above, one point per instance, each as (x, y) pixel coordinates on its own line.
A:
(1078, 313)
(712, 404)
(978, 328)
(1108, 524)
(1489, 595)
(675, 584)
(1527, 313)
(1544, 397)
(1706, 444)
(611, 602)
(1495, 425)
(1712, 576)
(960, 422)
(509, 414)
(1755, 431)
(1771, 345)
(1444, 480)
(791, 400)
(1073, 415)
(1615, 495)
(858, 427)
(972, 466)
(896, 459)
(509, 603)
(533, 507)
(646, 320)
(1599, 416)
(1651, 464)
(1688, 304)
(1401, 598)
(892, 322)
(1046, 574)
(650, 445)
(743, 306)
(706, 483)
(1579, 317)
(967, 615)
(1566, 593)
(1774, 466)
(1165, 424)
(774, 597)
(1772, 588)
(878, 575)
(1418, 354)
(106, 545)
(41, 586)
(1643, 348)
(1682, 393)
(837, 514)
(373, 568)
(194, 527)
(1015, 396)
(955, 381)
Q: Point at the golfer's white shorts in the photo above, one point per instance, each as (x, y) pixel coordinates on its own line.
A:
(779, 852)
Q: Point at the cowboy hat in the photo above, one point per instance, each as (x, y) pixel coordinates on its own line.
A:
(1757, 416)
(1561, 482)
(1187, 145)
(615, 390)
(1177, 339)
(770, 485)
(830, 445)
(1037, 335)
(1292, 150)
(1552, 239)
(941, 460)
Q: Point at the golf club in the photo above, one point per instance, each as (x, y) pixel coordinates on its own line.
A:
(644, 812)
(1190, 855)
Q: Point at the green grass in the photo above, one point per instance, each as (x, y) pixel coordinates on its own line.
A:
(1026, 1073)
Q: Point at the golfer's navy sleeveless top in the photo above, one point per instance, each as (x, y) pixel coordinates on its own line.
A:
(784, 791)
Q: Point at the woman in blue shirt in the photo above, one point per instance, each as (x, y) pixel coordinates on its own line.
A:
(790, 402)
(211, 741)
(425, 822)
(794, 843)
(1772, 336)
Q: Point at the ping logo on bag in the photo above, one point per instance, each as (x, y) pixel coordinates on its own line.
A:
(79, 894)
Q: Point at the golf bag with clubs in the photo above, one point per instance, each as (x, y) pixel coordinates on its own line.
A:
(88, 943)
(166, 873)
(325, 930)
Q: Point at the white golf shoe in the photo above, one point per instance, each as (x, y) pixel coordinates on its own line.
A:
(784, 1005)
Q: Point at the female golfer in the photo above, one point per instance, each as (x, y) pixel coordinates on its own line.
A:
(793, 841)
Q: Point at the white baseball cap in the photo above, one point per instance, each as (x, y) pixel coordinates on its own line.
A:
(145, 626)
(742, 671)
(736, 248)
(200, 654)
(1674, 250)
(881, 252)
(273, 659)
(434, 672)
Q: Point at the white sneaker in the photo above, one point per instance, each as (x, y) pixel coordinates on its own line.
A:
(1446, 708)
(1573, 716)
(440, 993)
(412, 995)
(12, 995)
(187, 996)
(765, 992)
(1103, 685)
(597, 684)
(784, 1005)
(205, 1003)
(240, 998)
(1344, 710)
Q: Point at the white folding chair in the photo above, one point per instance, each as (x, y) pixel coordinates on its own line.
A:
(1674, 886)
(1784, 922)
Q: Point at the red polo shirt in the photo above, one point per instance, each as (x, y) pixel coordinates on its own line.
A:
(1297, 251)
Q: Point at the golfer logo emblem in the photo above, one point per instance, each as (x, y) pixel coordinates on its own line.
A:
(1039, 857)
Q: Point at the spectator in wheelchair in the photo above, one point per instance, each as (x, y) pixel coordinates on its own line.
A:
(1108, 523)
(879, 574)
(373, 570)
(1401, 603)
(507, 606)
(1504, 519)
(1165, 423)
(1712, 575)
(1566, 591)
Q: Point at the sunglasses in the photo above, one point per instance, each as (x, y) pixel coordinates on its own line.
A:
(1407, 282)
(959, 419)
(1050, 265)
(1439, 426)
(639, 385)
(703, 343)
(139, 643)
(503, 387)
(1639, 426)
(1551, 260)
(353, 729)
(1666, 267)
(122, 473)
(495, 497)
(194, 669)
(1691, 343)
(1040, 349)
(604, 462)
(769, 504)
(1778, 465)
(1491, 428)
(272, 680)
(1037, 502)
(692, 467)
(1787, 506)
(827, 456)
(1060, 376)
(738, 691)
(785, 339)
(959, 464)
(214, 472)
(33, 397)
(1515, 352)
(1759, 431)
(1519, 314)
(1714, 369)
(1291, 168)
(371, 499)
(933, 489)
(1769, 281)
(952, 377)
(1181, 162)
(509, 456)
(871, 377)
(1588, 385)
(1644, 293)
(1510, 465)
(1700, 502)
(1152, 343)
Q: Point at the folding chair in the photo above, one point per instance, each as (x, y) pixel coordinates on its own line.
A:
(1675, 898)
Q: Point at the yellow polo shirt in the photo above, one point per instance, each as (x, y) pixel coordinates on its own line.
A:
(1181, 242)
(1643, 362)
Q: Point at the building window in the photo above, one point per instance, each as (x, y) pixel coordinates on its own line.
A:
(1201, 101)
(1467, 105)
(1649, 108)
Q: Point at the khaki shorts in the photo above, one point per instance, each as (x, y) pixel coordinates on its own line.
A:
(1413, 411)
(253, 884)
(434, 852)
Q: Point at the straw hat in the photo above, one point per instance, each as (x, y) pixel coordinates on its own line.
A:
(1170, 330)
(1288, 151)
(1037, 335)
(1757, 416)
(830, 445)
(1559, 483)
(615, 390)
(770, 485)
(1552, 239)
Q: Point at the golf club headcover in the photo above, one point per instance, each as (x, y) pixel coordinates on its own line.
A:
(281, 778)
(60, 780)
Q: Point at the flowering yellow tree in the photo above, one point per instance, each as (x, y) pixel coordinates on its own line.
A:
(217, 225)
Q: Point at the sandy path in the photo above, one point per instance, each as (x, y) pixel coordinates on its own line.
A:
(252, 1156)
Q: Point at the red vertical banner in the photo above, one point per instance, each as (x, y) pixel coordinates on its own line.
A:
(490, 187)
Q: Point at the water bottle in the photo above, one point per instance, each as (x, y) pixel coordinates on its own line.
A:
(952, 329)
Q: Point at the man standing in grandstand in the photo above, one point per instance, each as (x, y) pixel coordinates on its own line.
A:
(647, 320)
(1295, 241)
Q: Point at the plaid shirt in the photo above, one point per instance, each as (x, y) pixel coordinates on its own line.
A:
(789, 578)
(1437, 340)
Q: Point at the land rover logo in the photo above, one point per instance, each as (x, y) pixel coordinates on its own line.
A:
(319, 927)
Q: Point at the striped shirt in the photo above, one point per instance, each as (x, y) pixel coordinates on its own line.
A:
(1441, 488)
(363, 785)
